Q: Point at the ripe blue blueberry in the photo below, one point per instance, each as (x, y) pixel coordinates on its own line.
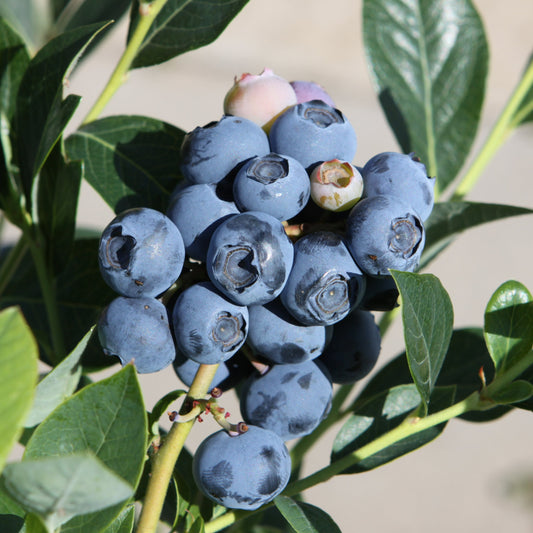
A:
(325, 283)
(210, 153)
(275, 335)
(244, 471)
(354, 348)
(141, 253)
(274, 184)
(208, 328)
(382, 233)
(290, 400)
(197, 210)
(313, 132)
(403, 176)
(249, 258)
(137, 329)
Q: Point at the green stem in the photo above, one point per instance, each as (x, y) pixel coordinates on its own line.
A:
(165, 459)
(147, 13)
(11, 262)
(508, 120)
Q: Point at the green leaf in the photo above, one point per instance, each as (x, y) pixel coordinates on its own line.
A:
(131, 161)
(58, 385)
(11, 514)
(304, 517)
(123, 523)
(428, 60)
(59, 188)
(382, 413)
(18, 377)
(28, 19)
(517, 391)
(448, 219)
(427, 315)
(41, 113)
(509, 324)
(106, 418)
(14, 60)
(524, 113)
(70, 15)
(181, 26)
(59, 488)
(81, 295)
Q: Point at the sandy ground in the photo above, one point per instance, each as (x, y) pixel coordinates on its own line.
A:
(458, 482)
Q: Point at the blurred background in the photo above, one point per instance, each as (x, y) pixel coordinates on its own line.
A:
(474, 477)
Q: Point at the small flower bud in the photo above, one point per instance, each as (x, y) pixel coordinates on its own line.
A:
(259, 98)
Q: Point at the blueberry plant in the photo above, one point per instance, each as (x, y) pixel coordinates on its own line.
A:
(255, 254)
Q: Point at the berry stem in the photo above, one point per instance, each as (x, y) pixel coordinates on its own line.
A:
(510, 118)
(147, 13)
(165, 458)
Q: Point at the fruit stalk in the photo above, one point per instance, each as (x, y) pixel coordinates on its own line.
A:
(148, 12)
(165, 458)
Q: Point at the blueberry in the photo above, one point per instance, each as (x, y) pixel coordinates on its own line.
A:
(244, 471)
(313, 132)
(137, 329)
(276, 336)
(382, 233)
(259, 98)
(381, 294)
(249, 258)
(274, 184)
(141, 253)
(325, 283)
(403, 176)
(309, 90)
(290, 400)
(210, 153)
(336, 185)
(197, 210)
(228, 374)
(354, 347)
(208, 328)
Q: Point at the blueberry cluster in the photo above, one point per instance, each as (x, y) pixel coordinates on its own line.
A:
(275, 250)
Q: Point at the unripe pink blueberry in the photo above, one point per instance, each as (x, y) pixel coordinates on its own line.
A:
(259, 98)
(336, 185)
(309, 90)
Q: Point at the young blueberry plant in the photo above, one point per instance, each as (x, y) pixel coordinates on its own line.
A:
(258, 255)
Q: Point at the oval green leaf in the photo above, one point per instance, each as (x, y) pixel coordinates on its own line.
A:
(107, 418)
(131, 161)
(18, 377)
(448, 219)
(14, 60)
(181, 26)
(304, 517)
(509, 324)
(41, 113)
(427, 315)
(58, 384)
(428, 60)
(59, 488)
